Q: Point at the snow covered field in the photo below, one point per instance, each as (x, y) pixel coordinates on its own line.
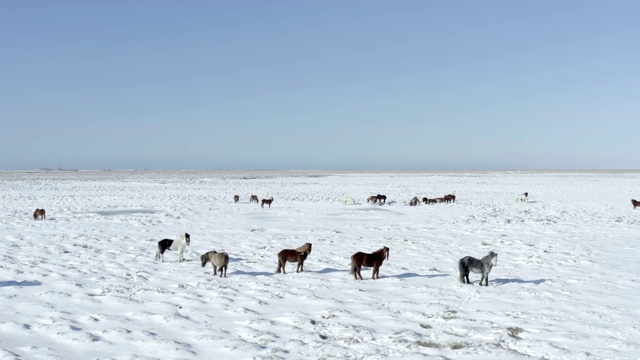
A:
(84, 284)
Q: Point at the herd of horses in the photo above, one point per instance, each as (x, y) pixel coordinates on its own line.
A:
(254, 198)
(220, 260)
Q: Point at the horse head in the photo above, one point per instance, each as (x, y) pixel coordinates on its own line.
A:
(187, 238)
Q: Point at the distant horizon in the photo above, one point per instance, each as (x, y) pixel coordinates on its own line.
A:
(333, 170)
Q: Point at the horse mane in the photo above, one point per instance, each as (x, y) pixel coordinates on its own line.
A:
(304, 248)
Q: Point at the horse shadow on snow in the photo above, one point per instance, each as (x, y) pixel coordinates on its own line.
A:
(499, 282)
(19, 283)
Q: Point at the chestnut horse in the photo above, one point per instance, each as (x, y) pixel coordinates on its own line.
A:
(40, 214)
(635, 204)
(374, 260)
(298, 255)
(372, 199)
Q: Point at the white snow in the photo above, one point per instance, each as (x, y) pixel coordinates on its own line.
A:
(83, 284)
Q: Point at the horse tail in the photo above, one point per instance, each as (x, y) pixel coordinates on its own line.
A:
(461, 268)
(352, 268)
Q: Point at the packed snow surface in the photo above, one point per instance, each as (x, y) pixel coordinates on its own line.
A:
(83, 284)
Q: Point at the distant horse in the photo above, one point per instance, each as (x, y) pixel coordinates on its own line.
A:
(425, 200)
(254, 198)
(219, 260)
(524, 197)
(40, 214)
(449, 198)
(483, 266)
(349, 201)
(236, 198)
(372, 199)
(415, 201)
(298, 255)
(432, 201)
(374, 260)
(267, 201)
(382, 199)
(635, 204)
(168, 244)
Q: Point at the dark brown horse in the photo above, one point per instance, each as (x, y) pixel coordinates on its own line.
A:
(267, 201)
(382, 199)
(236, 198)
(635, 204)
(375, 259)
(254, 198)
(298, 255)
(39, 214)
(449, 198)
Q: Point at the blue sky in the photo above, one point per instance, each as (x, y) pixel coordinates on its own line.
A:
(319, 84)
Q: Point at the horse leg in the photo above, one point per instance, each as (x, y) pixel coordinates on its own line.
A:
(278, 270)
(225, 270)
(359, 268)
(215, 270)
(376, 268)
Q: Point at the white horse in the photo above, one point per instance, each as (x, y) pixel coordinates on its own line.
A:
(524, 197)
(349, 201)
(168, 244)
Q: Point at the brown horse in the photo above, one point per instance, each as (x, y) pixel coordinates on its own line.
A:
(267, 201)
(449, 198)
(298, 255)
(635, 204)
(254, 198)
(382, 199)
(374, 260)
(39, 214)
(372, 199)
(236, 198)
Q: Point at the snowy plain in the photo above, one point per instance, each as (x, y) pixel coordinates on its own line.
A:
(83, 284)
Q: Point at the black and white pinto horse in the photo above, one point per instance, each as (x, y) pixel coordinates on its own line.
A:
(483, 266)
(524, 197)
(168, 244)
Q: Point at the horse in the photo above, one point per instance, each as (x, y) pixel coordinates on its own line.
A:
(449, 198)
(349, 201)
(432, 201)
(39, 214)
(236, 198)
(439, 200)
(483, 266)
(415, 201)
(267, 201)
(635, 204)
(524, 197)
(372, 199)
(219, 260)
(425, 200)
(254, 198)
(382, 199)
(298, 255)
(374, 260)
(168, 244)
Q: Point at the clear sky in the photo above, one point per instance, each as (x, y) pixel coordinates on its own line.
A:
(323, 84)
